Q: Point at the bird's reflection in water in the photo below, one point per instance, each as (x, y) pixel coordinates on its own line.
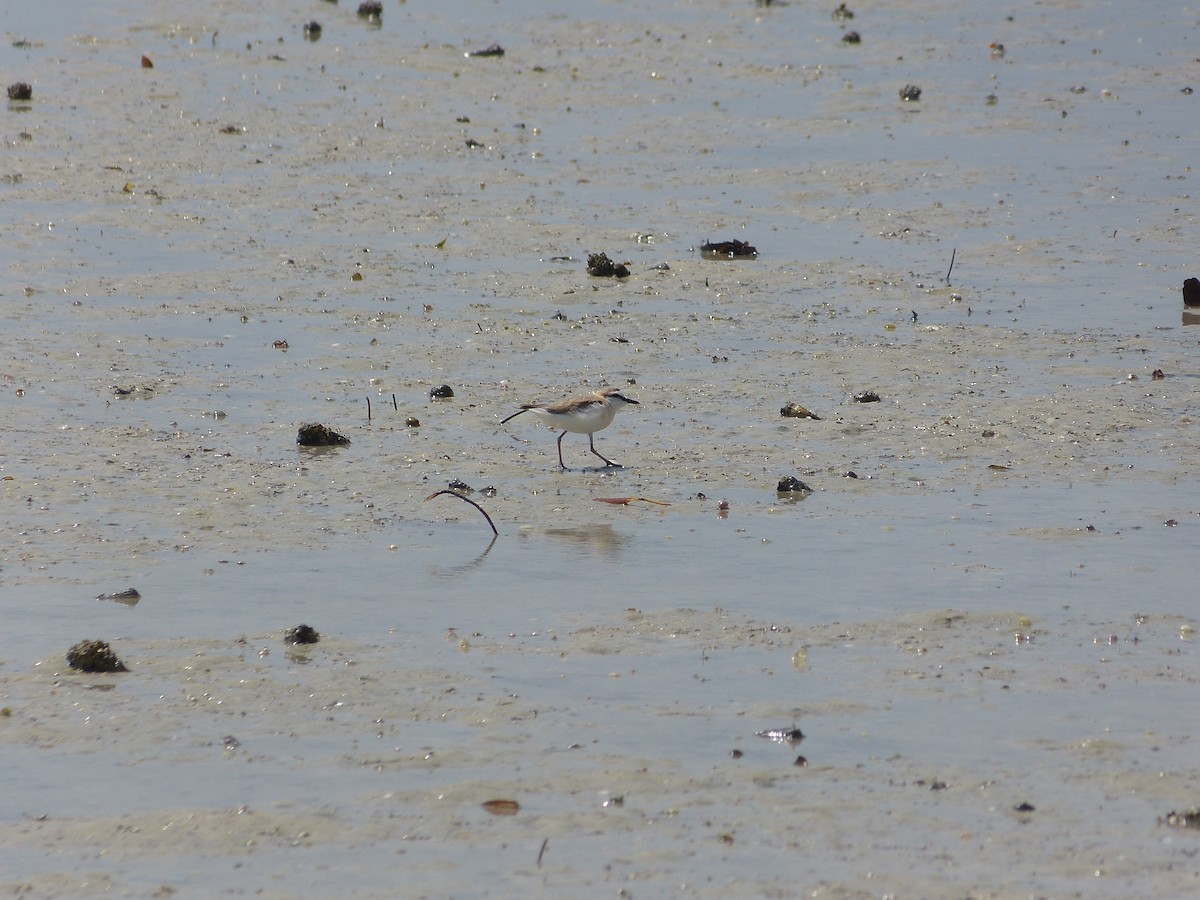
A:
(461, 568)
(602, 540)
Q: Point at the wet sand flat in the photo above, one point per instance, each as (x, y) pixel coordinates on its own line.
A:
(980, 617)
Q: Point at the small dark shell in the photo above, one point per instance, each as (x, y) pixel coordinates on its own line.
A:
(796, 411)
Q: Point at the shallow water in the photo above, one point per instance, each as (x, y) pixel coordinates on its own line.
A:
(996, 611)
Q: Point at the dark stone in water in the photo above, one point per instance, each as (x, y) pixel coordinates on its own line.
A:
(790, 484)
(94, 656)
(728, 250)
(910, 93)
(442, 392)
(865, 397)
(301, 634)
(129, 596)
(20, 91)
(317, 435)
(1191, 292)
(493, 50)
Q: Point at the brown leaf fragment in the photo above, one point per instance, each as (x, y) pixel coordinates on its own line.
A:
(502, 807)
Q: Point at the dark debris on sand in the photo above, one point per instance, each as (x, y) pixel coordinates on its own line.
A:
(600, 266)
(94, 656)
(728, 250)
(315, 434)
(301, 634)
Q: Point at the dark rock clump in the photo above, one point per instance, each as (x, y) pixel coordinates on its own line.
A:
(94, 656)
(600, 266)
(301, 634)
(728, 250)
(1191, 292)
(315, 434)
(790, 484)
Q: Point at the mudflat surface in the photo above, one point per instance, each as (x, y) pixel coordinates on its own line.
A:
(980, 617)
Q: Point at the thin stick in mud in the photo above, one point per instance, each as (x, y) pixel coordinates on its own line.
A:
(466, 500)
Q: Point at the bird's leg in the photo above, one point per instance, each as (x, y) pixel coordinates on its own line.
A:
(592, 444)
(560, 462)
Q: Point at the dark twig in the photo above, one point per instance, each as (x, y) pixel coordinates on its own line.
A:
(395, 405)
(368, 409)
(542, 852)
(953, 253)
(467, 500)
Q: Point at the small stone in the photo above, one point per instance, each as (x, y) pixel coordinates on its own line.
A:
(600, 266)
(301, 634)
(910, 93)
(20, 91)
(1191, 287)
(492, 50)
(728, 250)
(315, 434)
(129, 596)
(865, 397)
(412, 422)
(791, 484)
(94, 656)
(441, 392)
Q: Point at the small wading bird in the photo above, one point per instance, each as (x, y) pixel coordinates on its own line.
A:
(579, 415)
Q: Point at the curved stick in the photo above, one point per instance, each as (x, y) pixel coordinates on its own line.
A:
(467, 500)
